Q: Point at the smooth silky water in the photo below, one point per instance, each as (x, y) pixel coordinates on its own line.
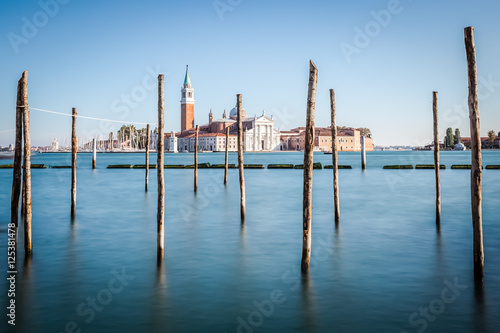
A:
(372, 274)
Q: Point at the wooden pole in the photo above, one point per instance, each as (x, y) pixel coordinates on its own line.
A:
(436, 158)
(363, 153)
(94, 153)
(240, 159)
(336, 198)
(476, 163)
(160, 165)
(28, 245)
(196, 159)
(17, 176)
(23, 189)
(147, 157)
(73, 163)
(131, 138)
(226, 166)
(308, 169)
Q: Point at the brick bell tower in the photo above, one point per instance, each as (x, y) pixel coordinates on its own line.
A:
(187, 104)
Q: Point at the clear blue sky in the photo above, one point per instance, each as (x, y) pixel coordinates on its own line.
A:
(91, 53)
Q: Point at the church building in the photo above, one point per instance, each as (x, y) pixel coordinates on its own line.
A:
(259, 133)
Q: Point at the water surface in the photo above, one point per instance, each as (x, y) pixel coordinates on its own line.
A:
(384, 262)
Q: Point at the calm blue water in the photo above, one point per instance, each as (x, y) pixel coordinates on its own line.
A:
(384, 265)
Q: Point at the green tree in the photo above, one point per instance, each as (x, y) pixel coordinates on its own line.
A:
(492, 136)
(365, 132)
(457, 136)
(450, 140)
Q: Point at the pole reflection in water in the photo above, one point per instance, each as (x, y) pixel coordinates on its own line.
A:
(308, 308)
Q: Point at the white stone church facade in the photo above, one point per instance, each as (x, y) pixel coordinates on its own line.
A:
(260, 134)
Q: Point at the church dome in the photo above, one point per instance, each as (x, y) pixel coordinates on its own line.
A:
(234, 113)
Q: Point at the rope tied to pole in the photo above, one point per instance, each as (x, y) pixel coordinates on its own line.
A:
(90, 118)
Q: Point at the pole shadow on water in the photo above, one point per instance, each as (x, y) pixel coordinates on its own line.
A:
(480, 308)
(24, 316)
(440, 260)
(70, 277)
(307, 304)
(159, 306)
(243, 233)
(337, 259)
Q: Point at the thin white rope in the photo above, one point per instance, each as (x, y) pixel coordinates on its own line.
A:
(7, 131)
(91, 118)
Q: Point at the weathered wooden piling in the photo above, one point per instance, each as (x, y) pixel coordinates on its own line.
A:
(336, 198)
(131, 138)
(436, 158)
(160, 165)
(476, 198)
(94, 153)
(17, 172)
(240, 158)
(148, 138)
(363, 153)
(73, 162)
(196, 159)
(308, 169)
(28, 245)
(226, 166)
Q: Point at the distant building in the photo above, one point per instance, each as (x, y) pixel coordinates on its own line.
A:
(54, 146)
(485, 142)
(208, 142)
(171, 143)
(349, 139)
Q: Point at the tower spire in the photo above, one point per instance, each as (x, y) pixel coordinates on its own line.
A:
(187, 80)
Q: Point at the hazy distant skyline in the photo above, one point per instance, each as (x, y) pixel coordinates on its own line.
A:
(383, 58)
